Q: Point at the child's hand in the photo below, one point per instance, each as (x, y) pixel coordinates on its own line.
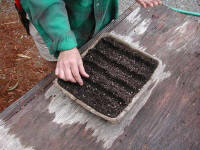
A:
(149, 3)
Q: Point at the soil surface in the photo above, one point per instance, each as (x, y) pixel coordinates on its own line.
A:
(117, 74)
(21, 66)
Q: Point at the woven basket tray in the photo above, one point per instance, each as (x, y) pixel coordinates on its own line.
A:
(134, 100)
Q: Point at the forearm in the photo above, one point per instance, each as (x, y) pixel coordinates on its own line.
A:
(52, 17)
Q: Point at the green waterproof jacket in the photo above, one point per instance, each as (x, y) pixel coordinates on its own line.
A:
(65, 24)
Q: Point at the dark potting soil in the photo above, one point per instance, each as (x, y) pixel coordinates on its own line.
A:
(117, 74)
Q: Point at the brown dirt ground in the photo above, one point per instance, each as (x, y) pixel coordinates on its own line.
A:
(15, 70)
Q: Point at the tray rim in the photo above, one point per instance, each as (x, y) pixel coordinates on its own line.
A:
(134, 99)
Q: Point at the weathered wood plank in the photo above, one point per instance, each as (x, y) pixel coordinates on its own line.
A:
(25, 99)
(169, 120)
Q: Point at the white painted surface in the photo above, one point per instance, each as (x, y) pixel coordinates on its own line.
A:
(178, 37)
(134, 16)
(9, 141)
(135, 19)
(142, 27)
(182, 29)
(133, 43)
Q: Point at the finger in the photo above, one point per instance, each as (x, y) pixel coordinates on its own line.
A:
(148, 3)
(155, 3)
(151, 4)
(57, 70)
(68, 75)
(61, 75)
(82, 70)
(159, 2)
(142, 3)
(75, 73)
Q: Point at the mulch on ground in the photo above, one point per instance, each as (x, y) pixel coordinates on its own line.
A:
(21, 66)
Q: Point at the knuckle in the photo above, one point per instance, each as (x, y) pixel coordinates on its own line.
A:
(56, 72)
(67, 79)
(70, 79)
(61, 77)
(80, 63)
(76, 76)
(72, 61)
(66, 63)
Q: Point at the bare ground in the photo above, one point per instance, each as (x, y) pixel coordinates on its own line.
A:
(21, 67)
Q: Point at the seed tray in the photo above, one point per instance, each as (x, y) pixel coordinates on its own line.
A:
(117, 72)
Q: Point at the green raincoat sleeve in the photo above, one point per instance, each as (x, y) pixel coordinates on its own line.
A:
(51, 20)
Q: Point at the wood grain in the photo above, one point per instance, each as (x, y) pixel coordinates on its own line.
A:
(170, 119)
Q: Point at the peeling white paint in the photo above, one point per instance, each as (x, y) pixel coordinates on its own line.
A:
(67, 112)
(177, 81)
(136, 20)
(142, 27)
(183, 28)
(170, 43)
(132, 37)
(129, 40)
(9, 141)
(179, 37)
(133, 16)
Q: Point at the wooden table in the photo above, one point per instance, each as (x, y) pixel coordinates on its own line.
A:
(45, 119)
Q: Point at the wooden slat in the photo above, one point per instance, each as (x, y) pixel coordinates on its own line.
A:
(169, 120)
